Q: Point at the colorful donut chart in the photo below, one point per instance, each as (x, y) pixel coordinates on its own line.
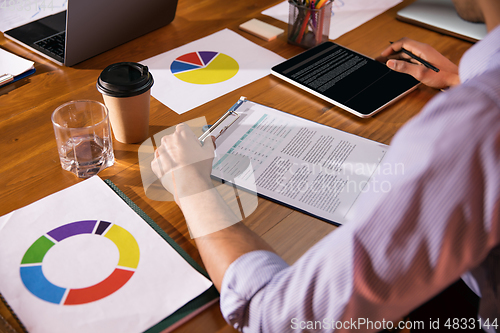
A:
(36, 282)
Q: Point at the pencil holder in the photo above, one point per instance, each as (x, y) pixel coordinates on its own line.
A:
(309, 22)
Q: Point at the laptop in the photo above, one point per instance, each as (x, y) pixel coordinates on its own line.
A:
(90, 27)
(441, 16)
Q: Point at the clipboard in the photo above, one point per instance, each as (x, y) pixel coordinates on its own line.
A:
(263, 141)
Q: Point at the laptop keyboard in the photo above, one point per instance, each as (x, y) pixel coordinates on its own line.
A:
(53, 44)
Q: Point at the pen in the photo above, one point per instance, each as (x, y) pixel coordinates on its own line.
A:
(314, 15)
(230, 112)
(420, 60)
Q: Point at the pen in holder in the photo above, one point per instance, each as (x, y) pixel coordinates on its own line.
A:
(309, 22)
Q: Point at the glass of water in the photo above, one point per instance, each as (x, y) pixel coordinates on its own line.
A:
(83, 137)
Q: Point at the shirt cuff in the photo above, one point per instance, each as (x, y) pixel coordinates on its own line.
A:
(243, 279)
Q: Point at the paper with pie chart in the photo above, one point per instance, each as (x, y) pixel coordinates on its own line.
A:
(81, 260)
(205, 69)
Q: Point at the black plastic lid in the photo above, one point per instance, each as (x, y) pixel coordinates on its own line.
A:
(124, 79)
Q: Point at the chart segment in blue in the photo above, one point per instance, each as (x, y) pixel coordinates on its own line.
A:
(36, 282)
(178, 66)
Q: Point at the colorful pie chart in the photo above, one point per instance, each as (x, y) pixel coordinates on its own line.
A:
(204, 67)
(35, 281)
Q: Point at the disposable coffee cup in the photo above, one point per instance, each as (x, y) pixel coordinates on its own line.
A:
(126, 90)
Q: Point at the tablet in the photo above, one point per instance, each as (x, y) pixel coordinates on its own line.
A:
(347, 79)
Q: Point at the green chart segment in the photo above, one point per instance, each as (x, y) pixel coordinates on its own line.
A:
(35, 281)
(204, 67)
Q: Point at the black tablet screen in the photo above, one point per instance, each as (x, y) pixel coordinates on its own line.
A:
(346, 77)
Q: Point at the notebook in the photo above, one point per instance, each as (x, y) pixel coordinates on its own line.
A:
(13, 67)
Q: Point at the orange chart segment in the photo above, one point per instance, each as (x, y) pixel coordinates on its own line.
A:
(217, 67)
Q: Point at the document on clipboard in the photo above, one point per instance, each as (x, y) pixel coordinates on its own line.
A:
(307, 166)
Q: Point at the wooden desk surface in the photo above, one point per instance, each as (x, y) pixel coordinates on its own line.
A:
(30, 169)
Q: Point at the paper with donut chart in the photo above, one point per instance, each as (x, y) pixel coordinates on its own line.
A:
(308, 166)
(82, 260)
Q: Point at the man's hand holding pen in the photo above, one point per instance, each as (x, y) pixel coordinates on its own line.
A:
(396, 59)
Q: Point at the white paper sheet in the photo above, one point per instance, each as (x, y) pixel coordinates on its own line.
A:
(14, 13)
(346, 14)
(312, 167)
(160, 284)
(13, 64)
(253, 62)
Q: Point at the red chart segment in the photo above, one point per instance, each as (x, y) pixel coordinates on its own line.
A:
(104, 288)
(191, 58)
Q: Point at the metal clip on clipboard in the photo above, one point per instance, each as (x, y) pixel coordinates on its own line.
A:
(223, 123)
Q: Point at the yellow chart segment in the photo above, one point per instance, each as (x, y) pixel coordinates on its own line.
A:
(126, 244)
(221, 68)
